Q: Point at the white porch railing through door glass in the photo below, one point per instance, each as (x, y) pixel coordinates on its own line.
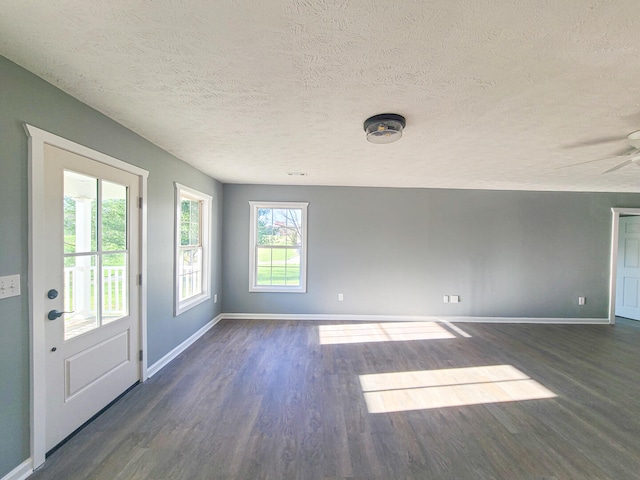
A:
(82, 280)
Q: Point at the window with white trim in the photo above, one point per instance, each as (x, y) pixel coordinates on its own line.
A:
(278, 247)
(193, 220)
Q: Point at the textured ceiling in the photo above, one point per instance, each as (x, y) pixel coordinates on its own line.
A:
(497, 94)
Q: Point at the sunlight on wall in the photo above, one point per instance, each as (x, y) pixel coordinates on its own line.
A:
(382, 332)
(453, 387)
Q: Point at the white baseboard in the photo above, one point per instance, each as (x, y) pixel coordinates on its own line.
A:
(22, 471)
(545, 320)
(409, 318)
(160, 364)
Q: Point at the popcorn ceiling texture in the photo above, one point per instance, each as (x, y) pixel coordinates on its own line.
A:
(497, 94)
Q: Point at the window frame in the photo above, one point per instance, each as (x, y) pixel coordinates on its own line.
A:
(253, 244)
(182, 191)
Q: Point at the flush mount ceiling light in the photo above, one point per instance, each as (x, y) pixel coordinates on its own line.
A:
(384, 128)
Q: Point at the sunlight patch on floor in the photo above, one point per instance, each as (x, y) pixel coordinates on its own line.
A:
(452, 387)
(455, 328)
(382, 332)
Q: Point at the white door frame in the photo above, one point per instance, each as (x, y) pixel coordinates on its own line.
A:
(615, 228)
(37, 239)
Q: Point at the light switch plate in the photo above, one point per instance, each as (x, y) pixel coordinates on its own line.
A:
(9, 286)
(455, 298)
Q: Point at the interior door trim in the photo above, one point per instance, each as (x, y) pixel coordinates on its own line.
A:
(615, 228)
(37, 235)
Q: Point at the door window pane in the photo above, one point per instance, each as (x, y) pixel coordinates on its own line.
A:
(80, 217)
(114, 216)
(80, 292)
(95, 284)
(115, 286)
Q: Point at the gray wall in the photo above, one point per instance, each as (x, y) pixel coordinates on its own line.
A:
(398, 251)
(24, 98)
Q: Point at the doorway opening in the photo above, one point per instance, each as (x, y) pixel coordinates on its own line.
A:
(617, 287)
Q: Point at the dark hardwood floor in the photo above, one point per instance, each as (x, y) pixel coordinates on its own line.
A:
(267, 400)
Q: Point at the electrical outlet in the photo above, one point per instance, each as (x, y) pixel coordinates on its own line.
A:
(446, 299)
(340, 297)
(9, 286)
(582, 300)
(215, 298)
(455, 299)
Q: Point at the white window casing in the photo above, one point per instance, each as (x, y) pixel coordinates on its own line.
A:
(192, 269)
(278, 252)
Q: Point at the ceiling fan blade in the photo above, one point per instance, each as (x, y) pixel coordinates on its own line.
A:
(619, 166)
(588, 161)
(627, 152)
(595, 141)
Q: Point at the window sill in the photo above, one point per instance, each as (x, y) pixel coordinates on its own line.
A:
(189, 303)
(276, 289)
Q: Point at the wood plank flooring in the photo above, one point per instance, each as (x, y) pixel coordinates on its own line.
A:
(267, 400)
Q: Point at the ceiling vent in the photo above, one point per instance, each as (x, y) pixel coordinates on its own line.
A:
(384, 128)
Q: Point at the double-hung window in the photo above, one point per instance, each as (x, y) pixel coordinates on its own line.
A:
(278, 247)
(193, 212)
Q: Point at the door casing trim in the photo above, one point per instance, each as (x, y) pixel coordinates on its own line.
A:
(615, 228)
(37, 234)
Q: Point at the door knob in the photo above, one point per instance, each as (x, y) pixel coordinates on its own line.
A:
(53, 314)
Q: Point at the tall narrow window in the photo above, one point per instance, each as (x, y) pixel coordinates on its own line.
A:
(193, 211)
(278, 250)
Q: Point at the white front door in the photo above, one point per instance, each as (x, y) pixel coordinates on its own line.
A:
(628, 269)
(92, 263)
